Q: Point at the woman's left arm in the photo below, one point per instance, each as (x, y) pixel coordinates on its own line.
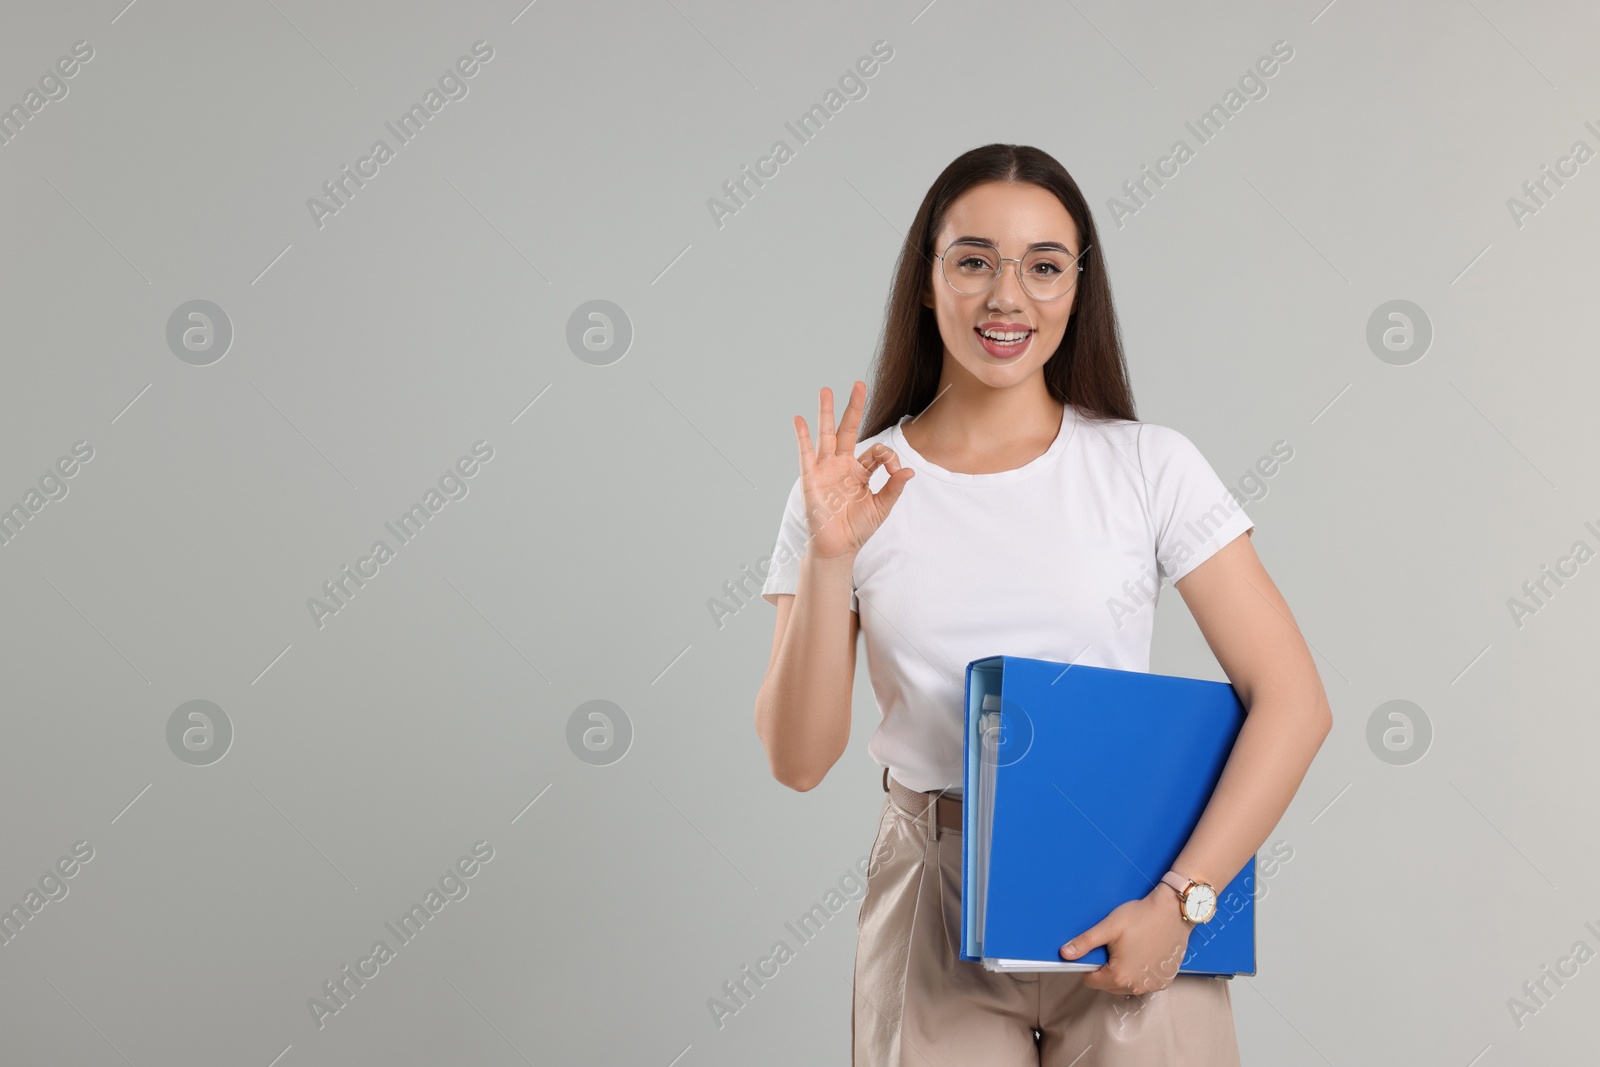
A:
(1252, 633)
(1256, 640)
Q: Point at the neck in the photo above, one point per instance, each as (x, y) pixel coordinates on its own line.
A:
(982, 419)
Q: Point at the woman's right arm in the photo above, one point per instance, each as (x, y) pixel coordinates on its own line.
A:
(803, 707)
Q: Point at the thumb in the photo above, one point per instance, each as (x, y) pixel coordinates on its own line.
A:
(893, 488)
(1097, 935)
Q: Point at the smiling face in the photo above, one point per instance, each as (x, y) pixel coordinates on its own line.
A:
(1013, 217)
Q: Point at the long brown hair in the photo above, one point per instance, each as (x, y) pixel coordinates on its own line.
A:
(1087, 370)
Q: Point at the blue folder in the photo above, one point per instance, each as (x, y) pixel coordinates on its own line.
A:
(1082, 785)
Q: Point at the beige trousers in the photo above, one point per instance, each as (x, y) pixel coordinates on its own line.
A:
(917, 1004)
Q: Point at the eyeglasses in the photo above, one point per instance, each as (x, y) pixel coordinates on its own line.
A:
(971, 267)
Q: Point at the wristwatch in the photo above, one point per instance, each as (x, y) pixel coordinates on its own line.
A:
(1197, 901)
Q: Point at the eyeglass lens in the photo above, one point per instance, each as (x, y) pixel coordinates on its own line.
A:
(1046, 272)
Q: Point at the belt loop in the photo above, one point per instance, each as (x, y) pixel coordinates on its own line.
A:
(886, 779)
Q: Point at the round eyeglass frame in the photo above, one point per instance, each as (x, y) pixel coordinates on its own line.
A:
(1000, 266)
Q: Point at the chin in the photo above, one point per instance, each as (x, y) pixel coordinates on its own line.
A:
(1002, 374)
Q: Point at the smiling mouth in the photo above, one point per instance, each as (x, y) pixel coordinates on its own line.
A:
(1003, 348)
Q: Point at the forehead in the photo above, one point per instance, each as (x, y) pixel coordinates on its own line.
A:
(1011, 214)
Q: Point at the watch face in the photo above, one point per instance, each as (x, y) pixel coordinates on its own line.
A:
(1201, 903)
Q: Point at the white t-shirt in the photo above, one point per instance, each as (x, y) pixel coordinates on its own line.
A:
(1059, 559)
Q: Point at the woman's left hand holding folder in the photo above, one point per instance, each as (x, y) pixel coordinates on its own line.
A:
(1145, 941)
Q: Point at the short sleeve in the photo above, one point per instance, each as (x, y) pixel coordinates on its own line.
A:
(783, 572)
(1193, 513)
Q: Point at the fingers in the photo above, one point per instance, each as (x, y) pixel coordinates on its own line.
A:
(1108, 981)
(825, 423)
(852, 418)
(1101, 977)
(877, 456)
(1098, 980)
(808, 454)
(1111, 976)
(881, 455)
(830, 439)
(1109, 985)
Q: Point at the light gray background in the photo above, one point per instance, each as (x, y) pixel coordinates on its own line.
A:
(432, 312)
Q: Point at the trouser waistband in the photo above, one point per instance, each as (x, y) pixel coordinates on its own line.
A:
(916, 803)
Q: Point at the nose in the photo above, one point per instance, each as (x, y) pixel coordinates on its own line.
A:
(1007, 290)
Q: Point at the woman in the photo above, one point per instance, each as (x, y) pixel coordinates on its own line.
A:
(1022, 510)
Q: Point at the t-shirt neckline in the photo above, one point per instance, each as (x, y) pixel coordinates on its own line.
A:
(912, 458)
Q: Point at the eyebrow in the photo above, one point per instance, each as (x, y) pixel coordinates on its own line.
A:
(1057, 245)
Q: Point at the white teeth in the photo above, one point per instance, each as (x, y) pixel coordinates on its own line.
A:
(1005, 336)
